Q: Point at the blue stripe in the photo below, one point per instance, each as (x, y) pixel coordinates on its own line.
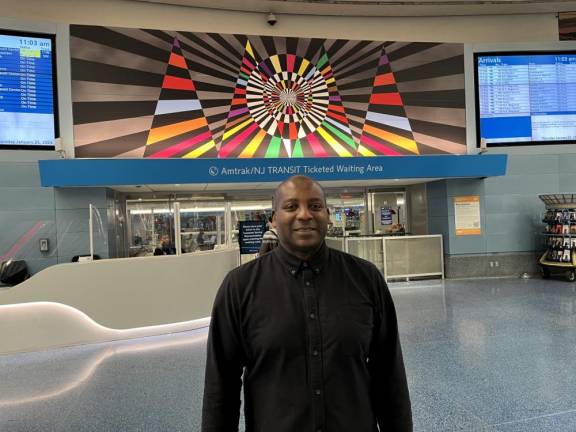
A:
(104, 172)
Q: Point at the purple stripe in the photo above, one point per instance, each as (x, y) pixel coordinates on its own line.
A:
(177, 43)
(383, 60)
(334, 99)
(268, 72)
(237, 112)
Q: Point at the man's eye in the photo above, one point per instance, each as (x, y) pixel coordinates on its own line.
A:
(289, 206)
(316, 206)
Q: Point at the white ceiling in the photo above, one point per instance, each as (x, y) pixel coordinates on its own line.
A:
(382, 7)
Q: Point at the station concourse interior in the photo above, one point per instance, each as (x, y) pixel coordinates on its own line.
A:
(118, 343)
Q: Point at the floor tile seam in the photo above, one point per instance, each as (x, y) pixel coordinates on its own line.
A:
(560, 413)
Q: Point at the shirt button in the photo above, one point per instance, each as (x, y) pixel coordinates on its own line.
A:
(315, 353)
(312, 315)
(293, 271)
(318, 392)
(318, 430)
(307, 283)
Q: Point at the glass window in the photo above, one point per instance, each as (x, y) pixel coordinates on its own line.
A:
(347, 214)
(150, 227)
(202, 225)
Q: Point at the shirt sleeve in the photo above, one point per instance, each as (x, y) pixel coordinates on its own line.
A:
(224, 364)
(390, 396)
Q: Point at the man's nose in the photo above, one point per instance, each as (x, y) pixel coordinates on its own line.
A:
(304, 213)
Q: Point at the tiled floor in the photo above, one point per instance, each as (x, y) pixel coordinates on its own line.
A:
(481, 355)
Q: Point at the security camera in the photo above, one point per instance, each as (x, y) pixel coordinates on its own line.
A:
(271, 19)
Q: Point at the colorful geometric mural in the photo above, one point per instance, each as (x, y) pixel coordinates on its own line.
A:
(150, 93)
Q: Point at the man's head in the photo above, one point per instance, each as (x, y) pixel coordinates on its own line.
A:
(301, 215)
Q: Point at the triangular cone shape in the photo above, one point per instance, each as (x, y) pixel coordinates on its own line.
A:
(386, 130)
(242, 137)
(179, 128)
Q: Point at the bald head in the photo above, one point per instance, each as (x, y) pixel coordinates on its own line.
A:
(298, 181)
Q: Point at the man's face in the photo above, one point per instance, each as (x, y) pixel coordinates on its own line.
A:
(301, 217)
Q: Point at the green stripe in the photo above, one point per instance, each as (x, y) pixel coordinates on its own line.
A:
(297, 151)
(347, 139)
(323, 60)
(243, 75)
(273, 150)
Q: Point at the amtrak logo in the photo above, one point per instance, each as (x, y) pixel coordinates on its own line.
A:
(213, 171)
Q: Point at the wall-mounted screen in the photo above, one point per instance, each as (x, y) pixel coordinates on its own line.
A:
(28, 114)
(525, 98)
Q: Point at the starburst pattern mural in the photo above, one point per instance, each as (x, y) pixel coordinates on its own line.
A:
(150, 93)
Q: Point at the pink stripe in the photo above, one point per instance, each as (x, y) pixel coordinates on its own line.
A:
(334, 99)
(235, 142)
(290, 58)
(237, 112)
(316, 146)
(248, 63)
(180, 147)
(379, 147)
(22, 241)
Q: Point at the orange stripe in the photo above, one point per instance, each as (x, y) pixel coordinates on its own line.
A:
(386, 99)
(178, 61)
(384, 79)
(239, 101)
(164, 132)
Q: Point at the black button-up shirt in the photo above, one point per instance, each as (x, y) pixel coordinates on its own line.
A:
(315, 343)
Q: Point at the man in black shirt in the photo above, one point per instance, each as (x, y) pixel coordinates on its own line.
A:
(311, 333)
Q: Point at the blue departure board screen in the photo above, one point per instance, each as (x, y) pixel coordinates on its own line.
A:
(27, 91)
(526, 98)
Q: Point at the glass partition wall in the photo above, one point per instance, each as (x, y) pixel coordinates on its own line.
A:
(174, 224)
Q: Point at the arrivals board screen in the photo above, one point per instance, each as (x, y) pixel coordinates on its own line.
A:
(526, 98)
(28, 115)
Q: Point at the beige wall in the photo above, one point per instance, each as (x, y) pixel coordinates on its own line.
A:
(484, 28)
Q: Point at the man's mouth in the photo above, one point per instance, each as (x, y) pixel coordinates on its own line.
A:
(305, 229)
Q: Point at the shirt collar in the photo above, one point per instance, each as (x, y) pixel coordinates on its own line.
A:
(295, 265)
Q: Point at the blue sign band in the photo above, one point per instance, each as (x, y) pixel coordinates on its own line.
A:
(109, 172)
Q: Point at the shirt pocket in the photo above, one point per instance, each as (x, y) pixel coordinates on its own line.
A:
(355, 324)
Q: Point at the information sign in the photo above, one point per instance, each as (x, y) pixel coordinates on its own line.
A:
(250, 237)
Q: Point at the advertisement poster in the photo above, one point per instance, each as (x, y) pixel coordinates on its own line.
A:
(385, 216)
(467, 215)
(250, 238)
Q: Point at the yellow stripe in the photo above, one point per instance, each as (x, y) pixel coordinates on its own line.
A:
(330, 80)
(249, 49)
(339, 148)
(232, 131)
(398, 140)
(276, 63)
(200, 150)
(253, 145)
(303, 67)
(364, 151)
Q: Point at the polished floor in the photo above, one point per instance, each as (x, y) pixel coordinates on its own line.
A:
(481, 355)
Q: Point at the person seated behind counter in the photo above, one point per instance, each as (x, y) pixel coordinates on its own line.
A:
(310, 332)
(166, 247)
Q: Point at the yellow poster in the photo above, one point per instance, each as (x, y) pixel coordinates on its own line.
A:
(467, 215)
